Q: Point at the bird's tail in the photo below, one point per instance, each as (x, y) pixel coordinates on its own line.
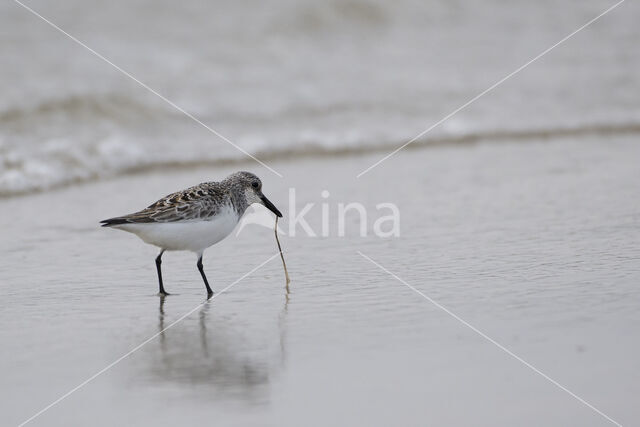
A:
(114, 221)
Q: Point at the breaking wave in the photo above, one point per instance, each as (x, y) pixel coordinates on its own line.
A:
(112, 135)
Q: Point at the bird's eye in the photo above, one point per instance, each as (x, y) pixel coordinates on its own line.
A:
(255, 184)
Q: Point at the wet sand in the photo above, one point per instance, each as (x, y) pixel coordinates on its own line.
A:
(536, 244)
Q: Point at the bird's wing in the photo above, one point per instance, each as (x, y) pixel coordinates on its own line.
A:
(199, 202)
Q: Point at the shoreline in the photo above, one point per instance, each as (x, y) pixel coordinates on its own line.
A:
(544, 262)
(311, 151)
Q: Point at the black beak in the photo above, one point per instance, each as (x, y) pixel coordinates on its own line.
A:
(270, 206)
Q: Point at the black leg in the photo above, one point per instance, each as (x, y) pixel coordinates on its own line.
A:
(158, 264)
(206, 282)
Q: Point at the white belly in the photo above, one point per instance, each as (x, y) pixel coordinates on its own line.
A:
(193, 236)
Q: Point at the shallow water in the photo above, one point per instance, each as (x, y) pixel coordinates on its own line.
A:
(535, 244)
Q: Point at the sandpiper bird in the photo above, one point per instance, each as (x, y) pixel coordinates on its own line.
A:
(195, 218)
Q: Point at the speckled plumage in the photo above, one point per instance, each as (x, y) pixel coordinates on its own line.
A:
(199, 202)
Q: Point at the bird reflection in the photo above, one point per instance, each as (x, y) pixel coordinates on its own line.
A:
(216, 354)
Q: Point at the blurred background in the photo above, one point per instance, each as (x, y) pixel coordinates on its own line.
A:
(297, 77)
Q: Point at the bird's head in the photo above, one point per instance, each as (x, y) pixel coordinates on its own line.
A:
(251, 187)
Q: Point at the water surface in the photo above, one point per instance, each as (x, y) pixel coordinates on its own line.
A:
(535, 244)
